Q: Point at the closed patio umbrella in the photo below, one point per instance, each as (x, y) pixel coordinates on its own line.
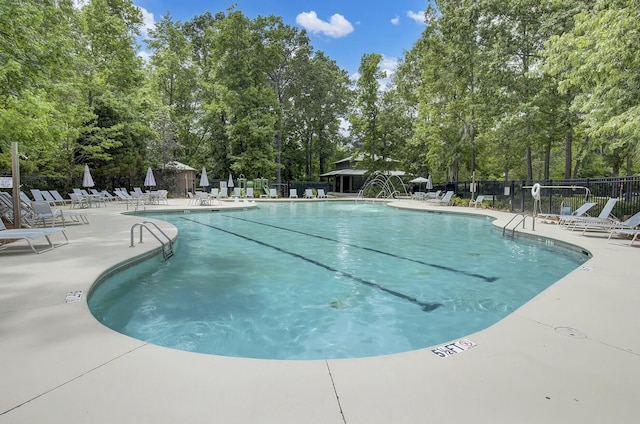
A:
(149, 179)
(204, 181)
(429, 183)
(230, 182)
(87, 180)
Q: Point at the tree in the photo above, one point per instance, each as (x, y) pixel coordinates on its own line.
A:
(598, 61)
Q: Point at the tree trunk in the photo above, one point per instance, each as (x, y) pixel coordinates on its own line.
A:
(568, 159)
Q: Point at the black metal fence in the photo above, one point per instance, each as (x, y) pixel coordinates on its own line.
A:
(555, 195)
(514, 196)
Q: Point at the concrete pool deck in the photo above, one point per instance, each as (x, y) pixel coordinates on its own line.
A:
(571, 355)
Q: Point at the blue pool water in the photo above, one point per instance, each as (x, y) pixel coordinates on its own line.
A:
(318, 280)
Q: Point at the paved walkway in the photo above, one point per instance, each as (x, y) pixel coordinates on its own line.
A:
(570, 355)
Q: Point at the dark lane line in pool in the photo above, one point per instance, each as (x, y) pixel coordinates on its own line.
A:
(427, 307)
(382, 252)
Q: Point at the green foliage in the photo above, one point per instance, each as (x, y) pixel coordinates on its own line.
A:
(493, 88)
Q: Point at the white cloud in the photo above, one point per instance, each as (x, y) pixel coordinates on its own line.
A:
(148, 21)
(146, 56)
(416, 16)
(337, 26)
(395, 20)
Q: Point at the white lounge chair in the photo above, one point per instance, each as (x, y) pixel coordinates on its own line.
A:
(43, 211)
(129, 200)
(293, 193)
(250, 192)
(223, 193)
(604, 217)
(581, 211)
(30, 235)
(59, 199)
(308, 193)
(446, 199)
(322, 194)
(630, 224)
(477, 201)
(273, 193)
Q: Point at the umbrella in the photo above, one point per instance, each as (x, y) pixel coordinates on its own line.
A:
(87, 180)
(204, 181)
(230, 182)
(149, 180)
(419, 181)
(429, 183)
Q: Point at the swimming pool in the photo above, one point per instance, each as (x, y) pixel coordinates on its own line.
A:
(319, 280)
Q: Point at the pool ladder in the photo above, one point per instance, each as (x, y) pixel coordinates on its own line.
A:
(167, 246)
(523, 220)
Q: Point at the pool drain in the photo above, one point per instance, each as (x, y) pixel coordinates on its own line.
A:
(571, 332)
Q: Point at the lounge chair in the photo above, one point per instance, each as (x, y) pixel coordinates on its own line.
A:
(224, 194)
(604, 217)
(250, 192)
(6, 208)
(630, 224)
(203, 198)
(308, 193)
(42, 211)
(629, 232)
(446, 199)
(478, 201)
(48, 197)
(273, 193)
(163, 197)
(237, 192)
(435, 195)
(322, 194)
(129, 200)
(58, 197)
(293, 193)
(581, 211)
(37, 195)
(31, 234)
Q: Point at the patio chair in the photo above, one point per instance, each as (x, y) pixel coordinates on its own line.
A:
(42, 211)
(250, 192)
(129, 200)
(603, 218)
(30, 235)
(37, 195)
(308, 193)
(634, 233)
(58, 197)
(26, 213)
(630, 224)
(478, 201)
(273, 193)
(236, 192)
(551, 217)
(293, 193)
(322, 194)
(163, 197)
(203, 198)
(224, 193)
(434, 195)
(446, 199)
(48, 197)
(78, 201)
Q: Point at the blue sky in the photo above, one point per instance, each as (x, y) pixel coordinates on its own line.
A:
(343, 29)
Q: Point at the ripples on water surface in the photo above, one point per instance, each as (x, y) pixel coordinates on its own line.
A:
(316, 280)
